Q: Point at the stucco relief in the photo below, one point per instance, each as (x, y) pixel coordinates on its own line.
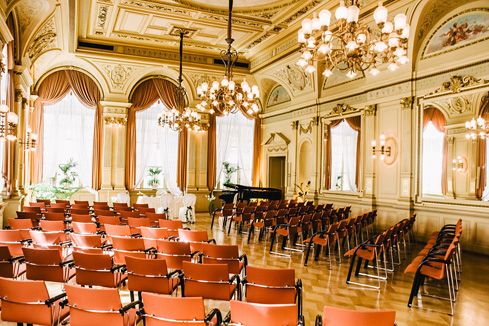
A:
(118, 75)
(44, 40)
(293, 76)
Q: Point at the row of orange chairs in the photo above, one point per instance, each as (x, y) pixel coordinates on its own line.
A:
(441, 259)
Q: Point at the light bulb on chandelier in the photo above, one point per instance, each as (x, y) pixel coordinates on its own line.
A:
(350, 46)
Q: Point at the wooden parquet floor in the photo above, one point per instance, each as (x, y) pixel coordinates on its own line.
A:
(328, 287)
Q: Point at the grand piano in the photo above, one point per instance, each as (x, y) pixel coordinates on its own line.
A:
(247, 193)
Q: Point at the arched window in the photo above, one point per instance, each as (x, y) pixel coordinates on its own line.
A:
(68, 134)
(343, 157)
(156, 149)
(434, 153)
(234, 145)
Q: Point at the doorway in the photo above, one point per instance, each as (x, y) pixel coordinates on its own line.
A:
(276, 173)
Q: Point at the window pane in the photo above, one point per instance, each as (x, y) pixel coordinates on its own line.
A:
(343, 157)
(432, 160)
(234, 145)
(156, 147)
(68, 133)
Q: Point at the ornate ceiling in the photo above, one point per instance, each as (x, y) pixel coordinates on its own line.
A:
(152, 23)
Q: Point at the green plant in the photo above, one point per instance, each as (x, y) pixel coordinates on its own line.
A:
(153, 173)
(63, 191)
(69, 176)
(228, 171)
(301, 190)
(339, 182)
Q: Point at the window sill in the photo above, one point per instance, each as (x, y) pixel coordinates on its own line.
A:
(342, 192)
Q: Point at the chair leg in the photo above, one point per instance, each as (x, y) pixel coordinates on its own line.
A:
(212, 222)
(308, 252)
(350, 269)
(272, 241)
(251, 230)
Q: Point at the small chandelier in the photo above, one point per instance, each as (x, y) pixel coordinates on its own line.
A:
(8, 123)
(350, 46)
(476, 128)
(30, 142)
(180, 116)
(228, 96)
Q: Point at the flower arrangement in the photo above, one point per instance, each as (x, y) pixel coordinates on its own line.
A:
(228, 171)
(153, 173)
(302, 190)
(65, 190)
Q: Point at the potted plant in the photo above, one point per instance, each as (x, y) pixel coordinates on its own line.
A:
(153, 173)
(228, 172)
(69, 176)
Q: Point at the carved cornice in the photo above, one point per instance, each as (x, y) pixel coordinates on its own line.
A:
(44, 40)
(370, 110)
(407, 102)
(118, 121)
(305, 129)
(341, 109)
(458, 84)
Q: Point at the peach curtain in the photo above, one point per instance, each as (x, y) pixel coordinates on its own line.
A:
(166, 91)
(328, 164)
(356, 124)
(438, 119)
(142, 98)
(211, 153)
(257, 153)
(182, 160)
(481, 159)
(52, 90)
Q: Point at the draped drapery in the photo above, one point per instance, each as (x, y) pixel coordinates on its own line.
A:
(356, 124)
(481, 158)
(52, 90)
(143, 97)
(211, 153)
(329, 161)
(439, 122)
(257, 153)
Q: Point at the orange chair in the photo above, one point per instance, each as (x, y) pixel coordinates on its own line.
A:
(119, 205)
(126, 215)
(369, 250)
(80, 206)
(167, 311)
(196, 238)
(88, 243)
(209, 281)
(59, 205)
(82, 202)
(175, 253)
(145, 210)
(262, 223)
(10, 266)
(34, 209)
(119, 210)
(103, 212)
(171, 226)
(150, 275)
(33, 216)
(225, 254)
(242, 219)
(151, 235)
(289, 232)
(83, 217)
(137, 206)
(40, 204)
(31, 305)
(322, 239)
(47, 265)
(84, 228)
(14, 240)
(55, 216)
(55, 227)
(342, 317)
(137, 222)
(273, 286)
(118, 230)
(90, 307)
(256, 314)
(55, 210)
(97, 269)
(108, 220)
(226, 212)
(132, 247)
(51, 240)
(23, 225)
(155, 217)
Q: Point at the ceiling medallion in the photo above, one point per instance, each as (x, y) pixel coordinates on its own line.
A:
(350, 46)
(228, 96)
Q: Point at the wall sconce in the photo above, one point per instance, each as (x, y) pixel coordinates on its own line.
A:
(115, 121)
(459, 164)
(8, 123)
(384, 150)
(476, 128)
(30, 140)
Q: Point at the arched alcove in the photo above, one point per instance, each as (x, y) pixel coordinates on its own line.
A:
(305, 162)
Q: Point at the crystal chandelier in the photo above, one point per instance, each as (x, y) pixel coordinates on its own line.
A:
(181, 116)
(228, 96)
(350, 46)
(476, 128)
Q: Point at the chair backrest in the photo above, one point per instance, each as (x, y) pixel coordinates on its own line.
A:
(127, 214)
(46, 202)
(197, 277)
(58, 205)
(255, 314)
(11, 239)
(33, 216)
(171, 225)
(55, 210)
(174, 252)
(20, 224)
(85, 218)
(86, 242)
(37, 204)
(341, 317)
(154, 217)
(273, 286)
(82, 202)
(150, 235)
(117, 230)
(124, 246)
(196, 238)
(45, 238)
(137, 206)
(148, 275)
(222, 254)
(6, 264)
(97, 306)
(54, 216)
(145, 210)
(170, 308)
(136, 222)
(80, 206)
(103, 212)
(44, 264)
(95, 269)
(35, 209)
(109, 220)
(48, 226)
(25, 306)
(80, 211)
